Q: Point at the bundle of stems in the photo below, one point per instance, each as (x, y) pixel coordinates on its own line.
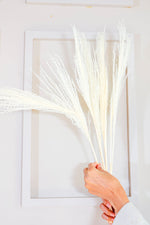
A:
(60, 93)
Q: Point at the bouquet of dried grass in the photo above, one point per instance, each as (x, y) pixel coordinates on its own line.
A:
(99, 91)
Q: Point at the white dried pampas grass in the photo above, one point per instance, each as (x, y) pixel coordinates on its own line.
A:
(62, 94)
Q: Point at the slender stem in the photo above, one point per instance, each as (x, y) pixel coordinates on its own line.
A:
(111, 136)
(92, 147)
(113, 145)
(99, 143)
(105, 146)
(86, 132)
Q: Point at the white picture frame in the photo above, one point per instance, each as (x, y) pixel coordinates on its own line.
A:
(121, 3)
(27, 200)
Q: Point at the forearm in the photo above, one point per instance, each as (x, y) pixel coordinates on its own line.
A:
(118, 197)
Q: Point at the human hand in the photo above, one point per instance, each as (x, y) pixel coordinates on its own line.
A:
(102, 184)
(108, 212)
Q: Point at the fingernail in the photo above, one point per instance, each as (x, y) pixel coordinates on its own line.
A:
(105, 217)
(113, 214)
(108, 205)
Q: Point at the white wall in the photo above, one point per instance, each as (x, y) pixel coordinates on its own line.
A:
(15, 18)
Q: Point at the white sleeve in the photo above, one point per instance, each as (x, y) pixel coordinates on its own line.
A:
(128, 215)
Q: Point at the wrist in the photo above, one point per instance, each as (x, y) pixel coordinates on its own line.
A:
(119, 198)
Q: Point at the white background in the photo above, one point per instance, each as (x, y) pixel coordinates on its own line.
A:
(15, 18)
